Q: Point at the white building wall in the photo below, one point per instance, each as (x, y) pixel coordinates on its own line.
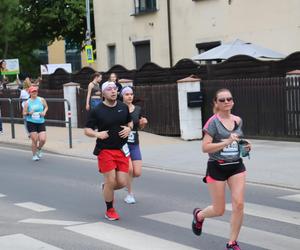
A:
(274, 24)
(115, 24)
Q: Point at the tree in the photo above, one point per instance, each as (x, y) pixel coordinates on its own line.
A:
(30, 24)
(9, 22)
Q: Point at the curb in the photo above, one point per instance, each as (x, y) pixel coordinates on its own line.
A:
(148, 166)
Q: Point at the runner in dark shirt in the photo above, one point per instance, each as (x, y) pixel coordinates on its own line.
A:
(135, 163)
(113, 122)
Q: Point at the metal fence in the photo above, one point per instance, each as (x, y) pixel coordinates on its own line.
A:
(269, 107)
(159, 104)
(11, 104)
(56, 109)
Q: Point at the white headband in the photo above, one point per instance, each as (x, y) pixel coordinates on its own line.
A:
(125, 90)
(107, 84)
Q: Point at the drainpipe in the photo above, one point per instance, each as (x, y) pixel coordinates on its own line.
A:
(170, 34)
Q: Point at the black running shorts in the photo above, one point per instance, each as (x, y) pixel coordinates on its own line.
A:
(221, 170)
(36, 127)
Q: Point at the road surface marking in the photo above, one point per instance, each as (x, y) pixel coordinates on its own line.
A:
(52, 222)
(294, 197)
(123, 237)
(271, 213)
(219, 228)
(23, 242)
(2, 195)
(35, 206)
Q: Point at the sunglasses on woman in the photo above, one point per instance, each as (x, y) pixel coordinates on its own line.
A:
(228, 99)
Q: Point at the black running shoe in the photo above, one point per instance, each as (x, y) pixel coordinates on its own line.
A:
(233, 246)
(197, 225)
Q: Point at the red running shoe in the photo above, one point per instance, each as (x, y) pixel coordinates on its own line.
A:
(111, 214)
(197, 225)
(233, 246)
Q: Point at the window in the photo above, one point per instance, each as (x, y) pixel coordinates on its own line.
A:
(73, 54)
(202, 47)
(142, 53)
(144, 6)
(42, 54)
(111, 55)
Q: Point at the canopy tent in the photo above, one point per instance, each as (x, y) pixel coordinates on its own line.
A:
(238, 47)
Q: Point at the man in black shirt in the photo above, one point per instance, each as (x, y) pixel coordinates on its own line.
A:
(113, 122)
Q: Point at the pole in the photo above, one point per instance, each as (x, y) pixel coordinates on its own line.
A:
(12, 121)
(170, 33)
(88, 22)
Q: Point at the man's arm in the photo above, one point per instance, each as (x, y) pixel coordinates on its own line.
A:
(92, 133)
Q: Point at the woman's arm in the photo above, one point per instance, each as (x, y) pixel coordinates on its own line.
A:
(25, 109)
(88, 97)
(143, 122)
(208, 146)
(45, 107)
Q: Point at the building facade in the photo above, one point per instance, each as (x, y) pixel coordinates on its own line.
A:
(62, 51)
(132, 32)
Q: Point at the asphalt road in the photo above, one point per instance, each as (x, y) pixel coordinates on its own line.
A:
(56, 203)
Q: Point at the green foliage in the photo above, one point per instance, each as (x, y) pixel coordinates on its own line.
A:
(27, 25)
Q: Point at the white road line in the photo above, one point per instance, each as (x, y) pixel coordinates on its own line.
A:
(218, 228)
(51, 222)
(271, 213)
(2, 195)
(23, 242)
(35, 206)
(294, 197)
(123, 237)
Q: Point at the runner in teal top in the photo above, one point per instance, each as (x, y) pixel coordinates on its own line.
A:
(35, 109)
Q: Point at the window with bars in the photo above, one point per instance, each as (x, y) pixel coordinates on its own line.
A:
(42, 54)
(73, 54)
(111, 55)
(142, 53)
(144, 6)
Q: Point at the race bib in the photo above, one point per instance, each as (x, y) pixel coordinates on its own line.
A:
(232, 149)
(131, 137)
(125, 150)
(36, 116)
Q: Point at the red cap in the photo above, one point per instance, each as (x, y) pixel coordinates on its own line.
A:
(32, 89)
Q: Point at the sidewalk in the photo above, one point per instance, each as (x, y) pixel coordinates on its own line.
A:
(272, 162)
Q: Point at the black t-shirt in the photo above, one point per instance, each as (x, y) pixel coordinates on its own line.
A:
(136, 115)
(105, 118)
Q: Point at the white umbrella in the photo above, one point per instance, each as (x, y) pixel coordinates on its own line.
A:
(238, 47)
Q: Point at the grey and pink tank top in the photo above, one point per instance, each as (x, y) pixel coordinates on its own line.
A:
(218, 132)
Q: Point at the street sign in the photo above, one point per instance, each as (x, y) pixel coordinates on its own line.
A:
(89, 53)
(47, 69)
(10, 67)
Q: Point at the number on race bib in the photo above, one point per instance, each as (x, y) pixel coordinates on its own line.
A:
(36, 116)
(125, 150)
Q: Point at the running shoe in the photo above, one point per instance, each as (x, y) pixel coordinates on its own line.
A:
(35, 158)
(111, 214)
(1, 132)
(129, 199)
(233, 246)
(39, 153)
(197, 225)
